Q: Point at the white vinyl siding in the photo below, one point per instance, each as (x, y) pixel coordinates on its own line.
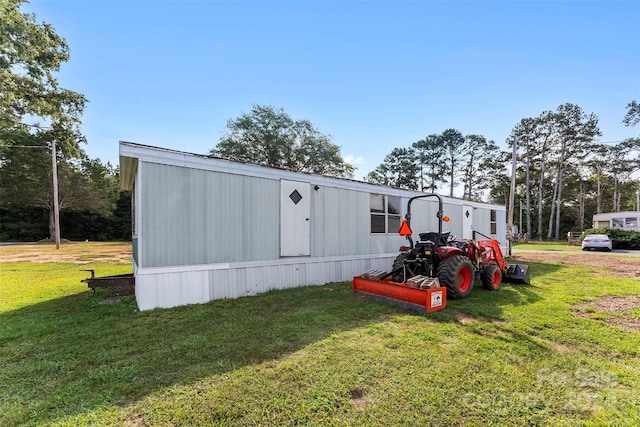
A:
(191, 217)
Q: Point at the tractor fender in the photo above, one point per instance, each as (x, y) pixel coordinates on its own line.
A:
(445, 252)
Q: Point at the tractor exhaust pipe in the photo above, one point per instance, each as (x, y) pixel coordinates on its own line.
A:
(517, 273)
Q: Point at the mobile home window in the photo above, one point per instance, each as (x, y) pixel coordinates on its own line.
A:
(617, 223)
(385, 213)
(393, 214)
(493, 222)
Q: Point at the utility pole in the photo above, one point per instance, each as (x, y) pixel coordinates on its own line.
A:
(511, 197)
(520, 226)
(56, 209)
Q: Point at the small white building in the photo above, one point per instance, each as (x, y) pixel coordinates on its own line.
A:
(206, 228)
(622, 220)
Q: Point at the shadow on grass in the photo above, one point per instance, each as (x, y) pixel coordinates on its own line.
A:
(489, 304)
(483, 312)
(74, 354)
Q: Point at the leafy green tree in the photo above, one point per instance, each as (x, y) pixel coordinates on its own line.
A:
(533, 137)
(523, 135)
(622, 160)
(30, 55)
(500, 188)
(398, 169)
(34, 111)
(453, 141)
(545, 134)
(576, 176)
(23, 224)
(597, 169)
(576, 133)
(632, 117)
(479, 165)
(555, 149)
(381, 175)
(430, 156)
(25, 172)
(106, 226)
(268, 136)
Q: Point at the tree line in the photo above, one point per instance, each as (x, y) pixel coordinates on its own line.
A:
(447, 158)
(564, 174)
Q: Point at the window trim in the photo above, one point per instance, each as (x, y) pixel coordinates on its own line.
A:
(493, 222)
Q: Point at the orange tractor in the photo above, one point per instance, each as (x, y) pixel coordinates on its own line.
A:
(438, 260)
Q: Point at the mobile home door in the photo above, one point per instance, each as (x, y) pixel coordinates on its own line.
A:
(467, 222)
(295, 215)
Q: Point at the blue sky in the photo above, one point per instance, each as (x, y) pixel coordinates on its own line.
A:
(374, 75)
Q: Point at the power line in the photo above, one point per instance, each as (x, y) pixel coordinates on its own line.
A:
(24, 146)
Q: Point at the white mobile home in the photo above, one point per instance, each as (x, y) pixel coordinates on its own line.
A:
(206, 228)
(618, 220)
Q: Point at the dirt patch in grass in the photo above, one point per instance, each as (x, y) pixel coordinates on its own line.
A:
(110, 301)
(617, 266)
(358, 397)
(134, 422)
(72, 259)
(75, 253)
(621, 311)
(463, 318)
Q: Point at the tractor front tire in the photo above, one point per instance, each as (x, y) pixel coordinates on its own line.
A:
(492, 277)
(456, 273)
(399, 263)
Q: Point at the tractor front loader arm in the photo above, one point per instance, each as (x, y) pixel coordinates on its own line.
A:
(514, 273)
(490, 251)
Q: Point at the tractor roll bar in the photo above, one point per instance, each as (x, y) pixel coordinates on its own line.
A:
(440, 214)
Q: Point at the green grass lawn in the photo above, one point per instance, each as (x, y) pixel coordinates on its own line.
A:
(313, 356)
(561, 245)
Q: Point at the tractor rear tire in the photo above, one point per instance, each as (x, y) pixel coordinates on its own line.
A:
(492, 277)
(456, 273)
(399, 263)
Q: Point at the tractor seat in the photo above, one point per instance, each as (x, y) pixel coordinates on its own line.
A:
(432, 236)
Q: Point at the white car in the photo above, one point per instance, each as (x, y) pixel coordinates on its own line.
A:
(597, 241)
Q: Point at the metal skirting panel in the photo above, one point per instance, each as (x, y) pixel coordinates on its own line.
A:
(176, 286)
(171, 289)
